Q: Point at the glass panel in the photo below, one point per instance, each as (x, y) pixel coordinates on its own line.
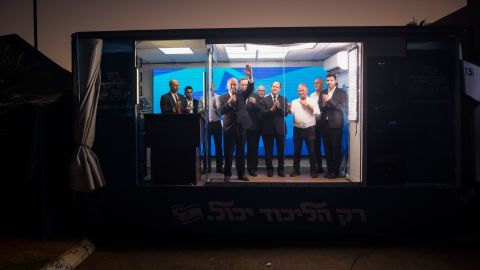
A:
(278, 71)
(301, 73)
(306, 76)
(172, 81)
(116, 114)
(210, 119)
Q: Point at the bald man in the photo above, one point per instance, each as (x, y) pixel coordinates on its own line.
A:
(274, 128)
(173, 102)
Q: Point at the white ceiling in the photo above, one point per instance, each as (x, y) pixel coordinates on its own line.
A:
(150, 54)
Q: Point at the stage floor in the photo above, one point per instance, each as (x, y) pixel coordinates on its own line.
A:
(262, 178)
(217, 179)
(304, 177)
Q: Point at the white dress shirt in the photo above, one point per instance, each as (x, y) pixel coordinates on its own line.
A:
(330, 92)
(190, 103)
(212, 114)
(175, 97)
(314, 96)
(302, 117)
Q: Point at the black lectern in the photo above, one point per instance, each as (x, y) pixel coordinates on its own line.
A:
(174, 141)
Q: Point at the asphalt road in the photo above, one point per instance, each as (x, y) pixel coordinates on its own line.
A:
(458, 253)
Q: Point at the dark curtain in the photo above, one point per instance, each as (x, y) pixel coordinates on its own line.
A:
(85, 171)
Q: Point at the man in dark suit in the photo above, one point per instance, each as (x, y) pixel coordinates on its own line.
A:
(274, 128)
(332, 107)
(234, 125)
(316, 96)
(191, 105)
(254, 109)
(172, 102)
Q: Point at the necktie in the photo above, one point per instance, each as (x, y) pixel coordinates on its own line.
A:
(274, 98)
(176, 106)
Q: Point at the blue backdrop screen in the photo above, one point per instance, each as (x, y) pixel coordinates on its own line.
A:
(290, 77)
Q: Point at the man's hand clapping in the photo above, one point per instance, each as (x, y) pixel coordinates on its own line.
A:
(178, 106)
(325, 98)
(232, 99)
(276, 104)
(303, 102)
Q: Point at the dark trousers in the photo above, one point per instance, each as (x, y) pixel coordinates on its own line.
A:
(215, 131)
(234, 140)
(318, 145)
(253, 139)
(300, 135)
(279, 140)
(333, 140)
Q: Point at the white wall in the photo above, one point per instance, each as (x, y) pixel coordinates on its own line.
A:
(58, 19)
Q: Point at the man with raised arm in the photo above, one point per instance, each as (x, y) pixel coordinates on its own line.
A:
(234, 133)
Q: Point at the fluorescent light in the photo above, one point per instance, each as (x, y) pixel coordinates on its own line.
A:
(184, 50)
(302, 46)
(242, 56)
(235, 49)
(265, 48)
(271, 55)
(240, 52)
(280, 48)
(265, 51)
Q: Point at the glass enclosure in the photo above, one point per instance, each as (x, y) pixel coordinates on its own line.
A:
(282, 73)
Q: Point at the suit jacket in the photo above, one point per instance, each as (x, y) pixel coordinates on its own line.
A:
(167, 103)
(274, 121)
(235, 114)
(333, 109)
(255, 113)
(195, 105)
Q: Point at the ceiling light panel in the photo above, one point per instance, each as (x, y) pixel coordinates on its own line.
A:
(240, 52)
(271, 55)
(184, 50)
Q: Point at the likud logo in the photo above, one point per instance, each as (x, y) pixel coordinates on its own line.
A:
(186, 214)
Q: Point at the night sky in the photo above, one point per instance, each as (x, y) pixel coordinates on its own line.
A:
(58, 19)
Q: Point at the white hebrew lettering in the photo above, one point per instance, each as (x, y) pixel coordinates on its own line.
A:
(218, 209)
(316, 211)
(346, 215)
(267, 212)
(224, 211)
